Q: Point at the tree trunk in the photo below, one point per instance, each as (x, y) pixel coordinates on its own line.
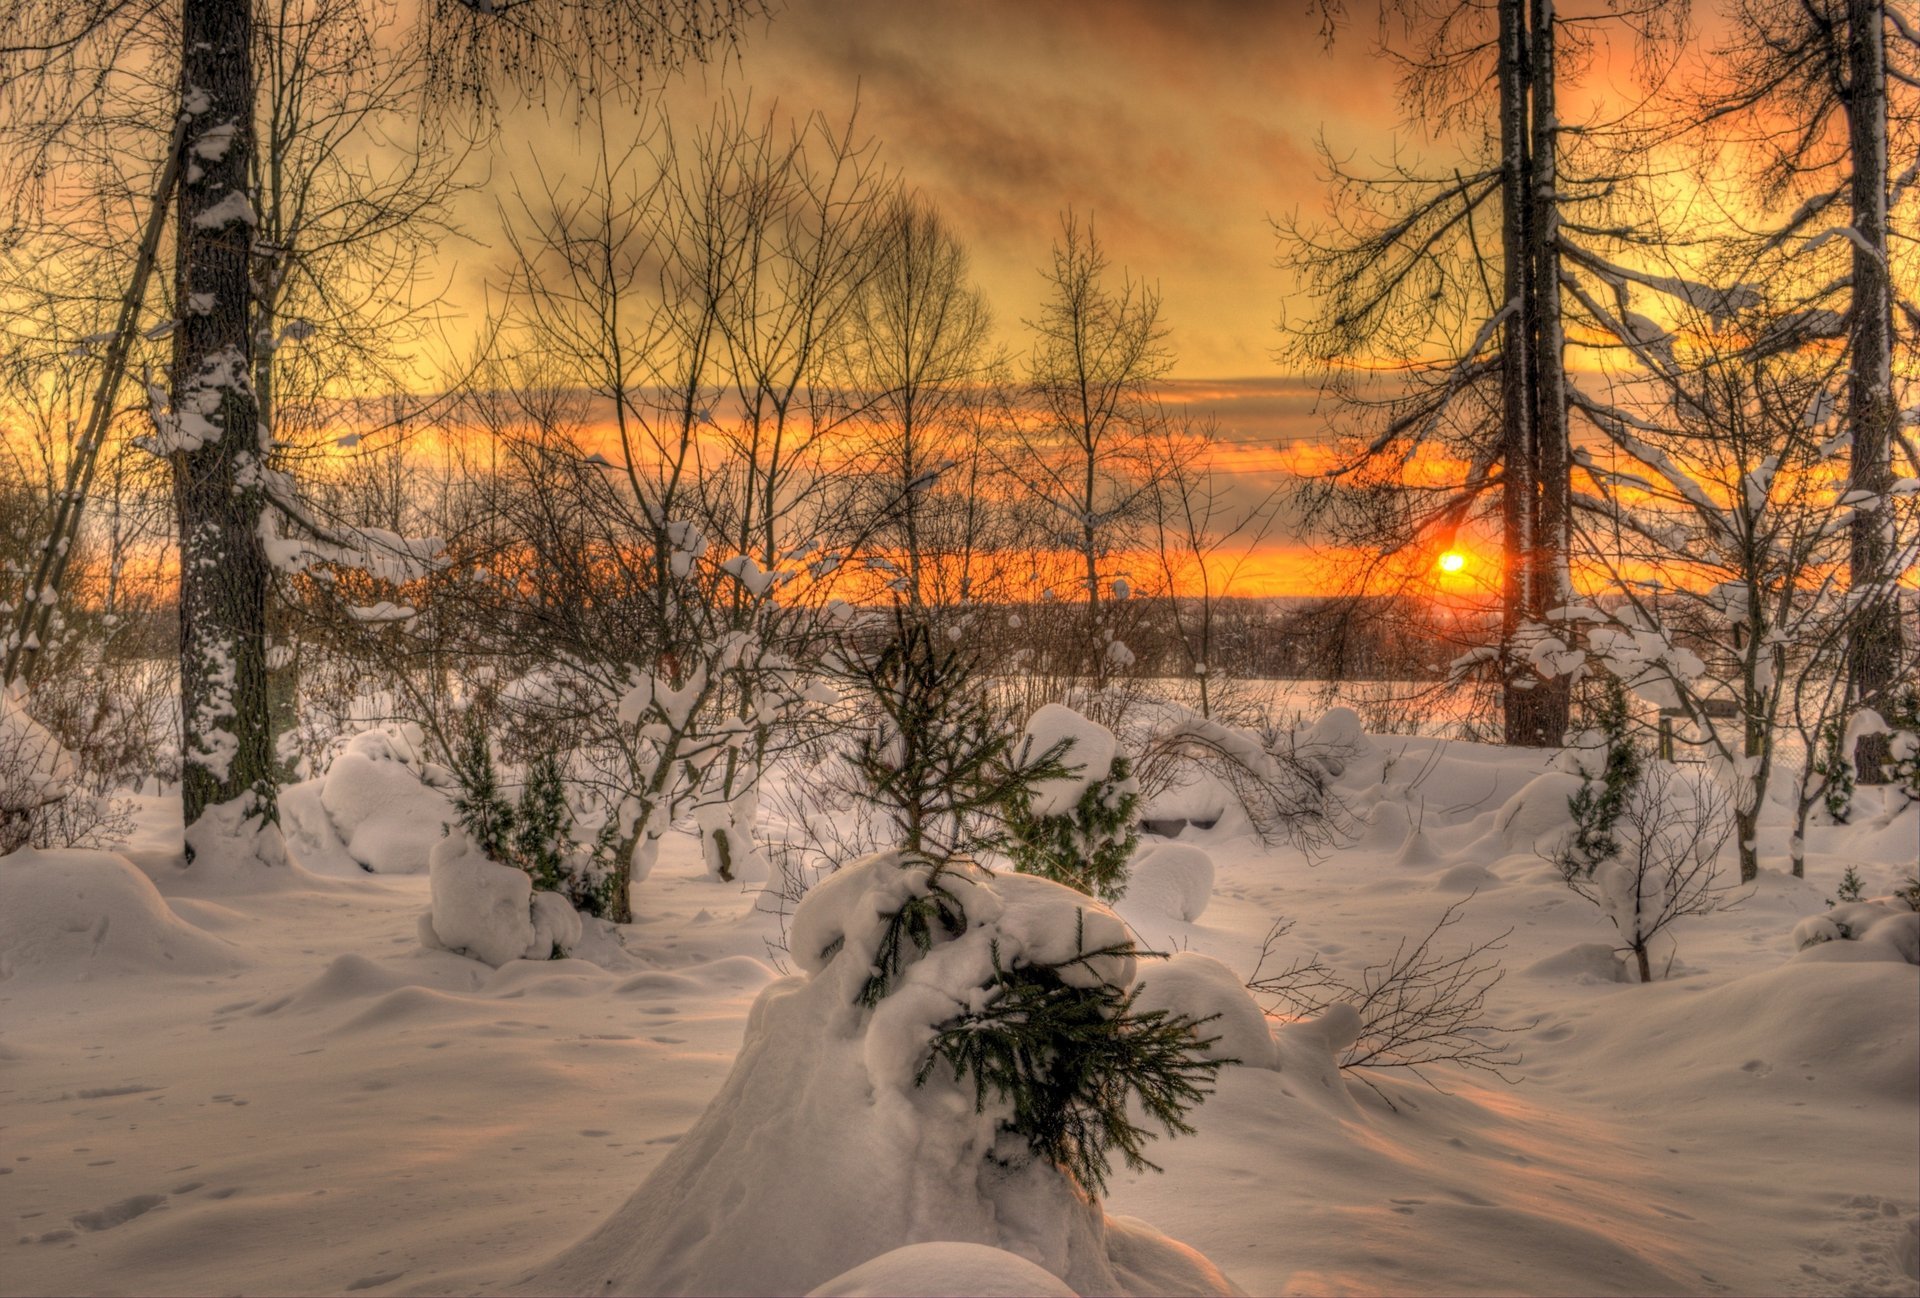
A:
(215, 440)
(1518, 489)
(1549, 703)
(1873, 643)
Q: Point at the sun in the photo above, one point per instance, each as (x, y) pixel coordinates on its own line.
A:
(1452, 561)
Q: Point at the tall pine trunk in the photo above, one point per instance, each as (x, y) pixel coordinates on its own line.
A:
(217, 449)
(1535, 520)
(1549, 702)
(1873, 644)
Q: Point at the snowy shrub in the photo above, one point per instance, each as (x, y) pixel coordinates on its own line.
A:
(1834, 766)
(931, 754)
(1282, 779)
(1047, 1031)
(1077, 828)
(534, 835)
(1418, 1008)
(958, 1059)
(1883, 929)
(1596, 807)
(1171, 879)
(1666, 866)
(36, 773)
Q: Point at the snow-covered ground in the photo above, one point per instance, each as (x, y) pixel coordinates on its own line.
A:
(270, 1085)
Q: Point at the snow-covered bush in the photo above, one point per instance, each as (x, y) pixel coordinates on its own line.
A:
(1666, 866)
(959, 1059)
(1610, 766)
(35, 772)
(1418, 1007)
(1076, 828)
(1282, 779)
(385, 802)
(535, 834)
(490, 911)
(1172, 879)
(1882, 929)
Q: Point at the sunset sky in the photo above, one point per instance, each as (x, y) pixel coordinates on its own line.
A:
(1181, 129)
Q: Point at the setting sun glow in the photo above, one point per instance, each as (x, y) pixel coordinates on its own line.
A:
(1452, 561)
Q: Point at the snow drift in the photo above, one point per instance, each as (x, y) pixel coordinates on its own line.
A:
(820, 1152)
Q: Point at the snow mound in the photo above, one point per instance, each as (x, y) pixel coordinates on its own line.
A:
(1852, 1032)
(34, 769)
(78, 914)
(1335, 741)
(1537, 819)
(946, 1269)
(346, 978)
(1171, 879)
(1470, 877)
(480, 908)
(820, 1152)
(1860, 930)
(1589, 962)
(1201, 987)
(1088, 756)
(381, 806)
(1309, 1050)
(1389, 826)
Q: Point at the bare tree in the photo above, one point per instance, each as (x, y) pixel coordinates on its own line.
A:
(1826, 95)
(1203, 536)
(58, 62)
(1086, 447)
(1443, 306)
(1667, 865)
(919, 345)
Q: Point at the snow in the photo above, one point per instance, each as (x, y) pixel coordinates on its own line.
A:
(79, 915)
(1201, 987)
(234, 209)
(942, 1269)
(34, 769)
(381, 807)
(1086, 748)
(305, 1099)
(480, 908)
(1174, 880)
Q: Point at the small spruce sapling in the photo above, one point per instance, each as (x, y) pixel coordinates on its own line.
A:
(1089, 846)
(936, 759)
(483, 809)
(1835, 768)
(1852, 888)
(1597, 805)
(1070, 1054)
(536, 835)
(1074, 1061)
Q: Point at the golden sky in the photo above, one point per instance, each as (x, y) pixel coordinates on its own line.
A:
(1179, 127)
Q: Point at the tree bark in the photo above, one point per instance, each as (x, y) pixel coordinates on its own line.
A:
(217, 446)
(1549, 702)
(1518, 505)
(1535, 459)
(1873, 643)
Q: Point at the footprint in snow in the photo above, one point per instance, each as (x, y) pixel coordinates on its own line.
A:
(373, 1281)
(118, 1213)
